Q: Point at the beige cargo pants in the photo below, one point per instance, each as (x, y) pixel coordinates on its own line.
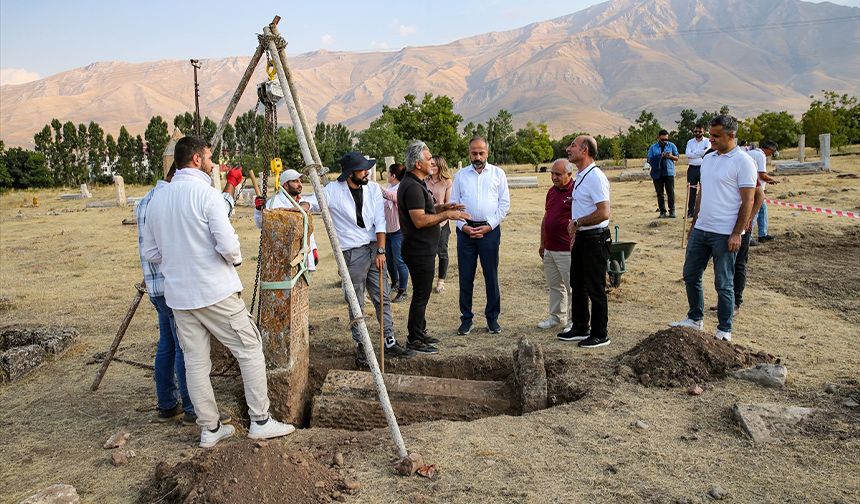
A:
(231, 324)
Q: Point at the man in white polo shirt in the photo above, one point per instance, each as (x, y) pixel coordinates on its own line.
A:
(723, 209)
(188, 232)
(760, 155)
(590, 240)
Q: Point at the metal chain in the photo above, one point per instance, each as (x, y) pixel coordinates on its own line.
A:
(269, 150)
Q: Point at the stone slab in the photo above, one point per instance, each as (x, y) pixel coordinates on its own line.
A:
(54, 340)
(18, 361)
(102, 204)
(766, 375)
(72, 196)
(54, 494)
(767, 422)
(530, 376)
(797, 167)
(522, 182)
(633, 174)
(348, 400)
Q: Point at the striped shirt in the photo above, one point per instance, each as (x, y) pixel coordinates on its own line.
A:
(152, 276)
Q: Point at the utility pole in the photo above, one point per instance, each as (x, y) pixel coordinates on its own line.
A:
(196, 64)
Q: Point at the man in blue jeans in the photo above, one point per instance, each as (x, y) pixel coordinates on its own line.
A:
(169, 373)
(723, 209)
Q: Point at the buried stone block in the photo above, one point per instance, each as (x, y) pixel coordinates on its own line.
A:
(766, 375)
(530, 376)
(18, 361)
(348, 400)
(54, 494)
(765, 422)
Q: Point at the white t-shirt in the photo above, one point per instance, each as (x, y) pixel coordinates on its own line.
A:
(760, 162)
(696, 150)
(589, 188)
(723, 175)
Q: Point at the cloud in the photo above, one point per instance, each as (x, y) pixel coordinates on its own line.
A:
(326, 40)
(17, 76)
(403, 29)
(406, 30)
(378, 45)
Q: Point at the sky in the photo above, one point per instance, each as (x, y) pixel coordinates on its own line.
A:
(39, 38)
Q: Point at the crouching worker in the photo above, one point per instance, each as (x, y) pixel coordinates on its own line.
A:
(291, 183)
(187, 231)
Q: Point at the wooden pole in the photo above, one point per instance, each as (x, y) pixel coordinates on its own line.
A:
(312, 162)
(254, 181)
(119, 335)
(381, 326)
(240, 89)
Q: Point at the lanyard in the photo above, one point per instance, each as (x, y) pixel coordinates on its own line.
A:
(573, 194)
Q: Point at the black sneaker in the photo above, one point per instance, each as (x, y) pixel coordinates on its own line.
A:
(421, 347)
(401, 296)
(494, 327)
(398, 352)
(465, 328)
(765, 238)
(191, 418)
(594, 342)
(572, 335)
(672, 214)
(360, 358)
(166, 415)
(663, 215)
(430, 340)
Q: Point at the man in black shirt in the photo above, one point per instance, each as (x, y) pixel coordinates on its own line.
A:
(419, 221)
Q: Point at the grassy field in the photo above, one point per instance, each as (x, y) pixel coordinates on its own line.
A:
(65, 265)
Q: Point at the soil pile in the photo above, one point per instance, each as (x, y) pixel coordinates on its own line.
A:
(246, 471)
(681, 356)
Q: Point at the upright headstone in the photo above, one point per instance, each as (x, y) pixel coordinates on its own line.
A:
(459, 165)
(284, 315)
(824, 142)
(119, 185)
(216, 177)
(373, 174)
(801, 148)
(85, 191)
(389, 160)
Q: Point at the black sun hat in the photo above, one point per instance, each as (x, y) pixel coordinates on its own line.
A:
(353, 161)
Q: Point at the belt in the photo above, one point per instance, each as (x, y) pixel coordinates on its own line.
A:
(472, 223)
(592, 232)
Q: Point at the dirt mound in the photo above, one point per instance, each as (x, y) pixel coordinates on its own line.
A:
(245, 471)
(681, 356)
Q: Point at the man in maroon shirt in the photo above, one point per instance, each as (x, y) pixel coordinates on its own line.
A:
(555, 244)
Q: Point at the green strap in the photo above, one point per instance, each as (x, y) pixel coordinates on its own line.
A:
(289, 283)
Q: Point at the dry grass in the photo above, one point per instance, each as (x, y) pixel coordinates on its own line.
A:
(61, 264)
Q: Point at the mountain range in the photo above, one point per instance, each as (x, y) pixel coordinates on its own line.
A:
(592, 70)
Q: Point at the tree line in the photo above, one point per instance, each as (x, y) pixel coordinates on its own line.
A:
(67, 154)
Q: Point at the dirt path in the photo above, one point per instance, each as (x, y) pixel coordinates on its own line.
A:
(63, 265)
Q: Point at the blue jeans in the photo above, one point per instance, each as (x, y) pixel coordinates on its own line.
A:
(702, 246)
(761, 219)
(169, 361)
(469, 250)
(397, 269)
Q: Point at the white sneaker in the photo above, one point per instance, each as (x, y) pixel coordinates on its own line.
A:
(271, 429)
(568, 327)
(724, 336)
(208, 439)
(695, 324)
(440, 286)
(552, 321)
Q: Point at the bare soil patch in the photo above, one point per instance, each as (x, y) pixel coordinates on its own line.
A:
(680, 356)
(814, 265)
(245, 472)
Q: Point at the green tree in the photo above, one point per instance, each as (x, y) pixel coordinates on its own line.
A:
(781, 127)
(332, 141)
(500, 134)
(379, 140)
(836, 114)
(125, 156)
(27, 169)
(5, 177)
(97, 154)
(641, 136)
(157, 138)
(110, 155)
(684, 131)
(533, 145)
(185, 123)
(288, 149)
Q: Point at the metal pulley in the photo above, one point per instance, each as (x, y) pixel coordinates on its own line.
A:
(270, 92)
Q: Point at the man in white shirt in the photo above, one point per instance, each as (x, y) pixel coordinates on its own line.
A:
(291, 183)
(483, 190)
(760, 155)
(723, 209)
(590, 240)
(357, 212)
(695, 151)
(188, 232)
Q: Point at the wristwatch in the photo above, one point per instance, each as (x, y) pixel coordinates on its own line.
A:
(380, 251)
(575, 223)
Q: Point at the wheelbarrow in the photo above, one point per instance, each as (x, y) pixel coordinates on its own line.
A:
(619, 252)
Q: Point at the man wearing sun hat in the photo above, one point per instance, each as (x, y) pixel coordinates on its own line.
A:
(291, 184)
(357, 211)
